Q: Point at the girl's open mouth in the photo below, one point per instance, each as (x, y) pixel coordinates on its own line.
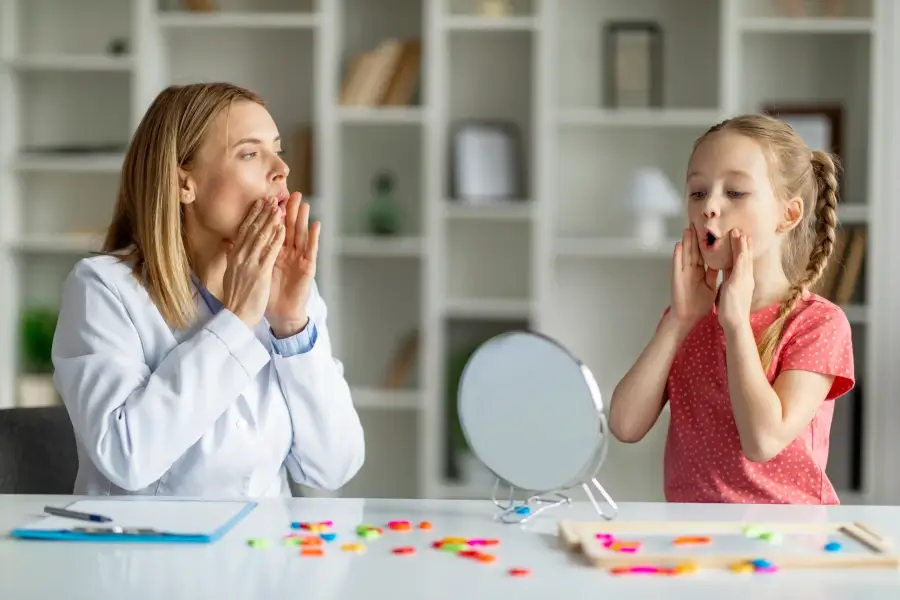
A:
(710, 240)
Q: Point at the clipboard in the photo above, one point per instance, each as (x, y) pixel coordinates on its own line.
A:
(142, 520)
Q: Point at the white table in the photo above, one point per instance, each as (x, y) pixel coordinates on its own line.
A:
(230, 568)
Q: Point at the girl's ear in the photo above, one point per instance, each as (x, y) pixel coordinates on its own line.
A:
(793, 215)
(186, 187)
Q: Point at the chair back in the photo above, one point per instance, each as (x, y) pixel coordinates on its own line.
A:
(38, 454)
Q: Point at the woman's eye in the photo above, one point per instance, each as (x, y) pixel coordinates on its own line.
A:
(737, 194)
(248, 155)
(698, 195)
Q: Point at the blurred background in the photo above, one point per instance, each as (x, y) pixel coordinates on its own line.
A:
(477, 165)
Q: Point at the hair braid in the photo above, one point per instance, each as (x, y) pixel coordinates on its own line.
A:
(824, 173)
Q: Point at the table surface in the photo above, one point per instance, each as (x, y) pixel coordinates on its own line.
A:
(230, 568)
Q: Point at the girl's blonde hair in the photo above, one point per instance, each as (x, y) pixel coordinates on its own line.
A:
(147, 227)
(796, 171)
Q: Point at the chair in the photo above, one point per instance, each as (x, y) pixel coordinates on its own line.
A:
(38, 454)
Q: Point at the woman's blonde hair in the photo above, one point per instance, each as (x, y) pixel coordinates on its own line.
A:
(796, 172)
(147, 227)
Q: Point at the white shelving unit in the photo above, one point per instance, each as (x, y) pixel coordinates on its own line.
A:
(555, 259)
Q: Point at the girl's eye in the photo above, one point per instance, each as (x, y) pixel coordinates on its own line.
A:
(698, 195)
(737, 194)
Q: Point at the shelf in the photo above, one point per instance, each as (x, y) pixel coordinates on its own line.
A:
(558, 258)
(608, 247)
(512, 211)
(48, 244)
(72, 62)
(381, 115)
(65, 162)
(853, 213)
(479, 23)
(377, 307)
(386, 399)
(245, 57)
(488, 308)
(474, 9)
(857, 314)
(690, 46)
(238, 20)
(488, 260)
(807, 25)
(380, 247)
(639, 117)
(849, 10)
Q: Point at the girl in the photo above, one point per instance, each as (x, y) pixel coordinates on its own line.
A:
(748, 367)
(194, 358)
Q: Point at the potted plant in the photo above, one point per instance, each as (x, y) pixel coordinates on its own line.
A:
(38, 324)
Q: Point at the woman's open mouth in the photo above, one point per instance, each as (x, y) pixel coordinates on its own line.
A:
(710, 240)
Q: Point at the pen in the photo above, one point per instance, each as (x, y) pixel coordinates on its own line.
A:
(62, 512)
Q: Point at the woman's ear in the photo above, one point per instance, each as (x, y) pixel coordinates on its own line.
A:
(186, 187)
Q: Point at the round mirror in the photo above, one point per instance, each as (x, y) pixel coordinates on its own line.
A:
(532, 414)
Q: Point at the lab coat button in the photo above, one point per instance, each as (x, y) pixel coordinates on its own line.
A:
(242, 424)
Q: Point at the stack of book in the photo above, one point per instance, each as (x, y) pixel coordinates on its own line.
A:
(841, 278)
(385, 76)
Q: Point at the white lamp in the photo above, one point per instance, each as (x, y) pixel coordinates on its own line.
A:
(652, 198)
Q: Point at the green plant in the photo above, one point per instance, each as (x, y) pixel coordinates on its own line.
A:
(38, 324)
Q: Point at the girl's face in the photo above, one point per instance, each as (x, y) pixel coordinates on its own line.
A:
(729, 187)
(238, 162)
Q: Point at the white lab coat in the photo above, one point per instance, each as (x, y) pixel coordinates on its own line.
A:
(212, 410)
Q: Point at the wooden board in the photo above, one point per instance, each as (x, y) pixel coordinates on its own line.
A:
(801, 545)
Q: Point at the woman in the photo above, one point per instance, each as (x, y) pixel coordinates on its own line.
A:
(193, 356)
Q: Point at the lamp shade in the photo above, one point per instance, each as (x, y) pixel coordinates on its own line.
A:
(651, 193)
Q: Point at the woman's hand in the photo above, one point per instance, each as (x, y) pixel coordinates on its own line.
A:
(737, 289)
(248, 276)
(693, 285)
(295, 269)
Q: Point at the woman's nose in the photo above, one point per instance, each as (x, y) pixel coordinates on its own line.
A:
(281, 168)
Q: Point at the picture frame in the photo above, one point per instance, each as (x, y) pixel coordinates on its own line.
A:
(633, 54)
(820, 125)
(486, 164)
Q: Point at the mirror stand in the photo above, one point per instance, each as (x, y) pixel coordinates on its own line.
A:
(512, 512)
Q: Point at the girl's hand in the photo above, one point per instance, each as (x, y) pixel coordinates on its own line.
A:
(295, 269)
(248, 276)
(693, 285)
(737, 289)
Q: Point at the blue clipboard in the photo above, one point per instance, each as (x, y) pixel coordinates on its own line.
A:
(142, 520)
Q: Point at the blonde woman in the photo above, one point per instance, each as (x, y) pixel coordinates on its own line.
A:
(193, 356)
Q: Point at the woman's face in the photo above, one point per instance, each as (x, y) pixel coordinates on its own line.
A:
(239, 162)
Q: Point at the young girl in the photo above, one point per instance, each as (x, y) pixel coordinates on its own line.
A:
(748, 367)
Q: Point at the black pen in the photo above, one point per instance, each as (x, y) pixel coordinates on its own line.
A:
(62, 512)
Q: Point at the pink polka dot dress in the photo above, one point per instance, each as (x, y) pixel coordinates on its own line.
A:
(703, 457)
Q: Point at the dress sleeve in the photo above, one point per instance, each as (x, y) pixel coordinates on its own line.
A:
(821, 341)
